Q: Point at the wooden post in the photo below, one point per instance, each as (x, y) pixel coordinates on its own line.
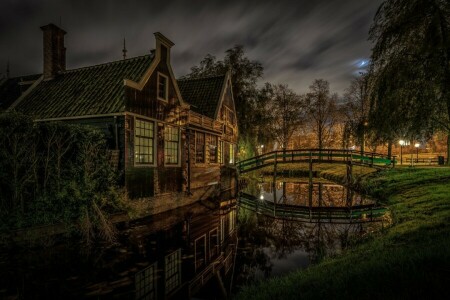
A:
(349, 183)
(275, 168)
(189, 162)
(274, 190)
(320, 193)
(310, 183)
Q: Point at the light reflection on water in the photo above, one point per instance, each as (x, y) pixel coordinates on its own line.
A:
(173, 255)
(271, 247)
(168, 256)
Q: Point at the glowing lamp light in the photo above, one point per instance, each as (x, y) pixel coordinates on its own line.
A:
(417, 145)
(402, 142)
(261, 197)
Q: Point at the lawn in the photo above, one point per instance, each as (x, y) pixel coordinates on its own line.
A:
(408, 260)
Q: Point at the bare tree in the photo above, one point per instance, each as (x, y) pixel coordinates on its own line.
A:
(286, 111)
(321, 109)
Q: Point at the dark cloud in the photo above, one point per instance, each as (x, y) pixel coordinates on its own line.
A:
(295, 41)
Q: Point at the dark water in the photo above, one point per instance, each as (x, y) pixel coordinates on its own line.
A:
(325, 193)
(271, 246)
(201, 251)
(177, 254)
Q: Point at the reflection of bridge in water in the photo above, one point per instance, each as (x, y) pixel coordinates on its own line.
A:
(314, 207)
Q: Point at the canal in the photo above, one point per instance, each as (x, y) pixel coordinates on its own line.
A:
(205, 251)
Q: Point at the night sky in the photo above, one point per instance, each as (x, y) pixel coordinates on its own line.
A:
(296, 41)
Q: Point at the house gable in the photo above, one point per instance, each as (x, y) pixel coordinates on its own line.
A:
(203, 94)
(226, 98)
(149, 82)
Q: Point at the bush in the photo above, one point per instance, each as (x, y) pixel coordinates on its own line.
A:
(53, 172)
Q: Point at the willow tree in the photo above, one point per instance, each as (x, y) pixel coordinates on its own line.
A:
(410, 69)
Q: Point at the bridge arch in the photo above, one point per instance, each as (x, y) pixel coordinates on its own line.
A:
(340, 156)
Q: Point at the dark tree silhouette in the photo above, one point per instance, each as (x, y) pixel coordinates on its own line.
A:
(410, 69)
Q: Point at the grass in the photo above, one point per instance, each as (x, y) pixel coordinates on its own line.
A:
(408, 260)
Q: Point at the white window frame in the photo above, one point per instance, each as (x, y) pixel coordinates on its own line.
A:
(154, 149)
(178, 149)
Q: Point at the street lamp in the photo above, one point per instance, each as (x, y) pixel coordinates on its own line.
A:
(417, 145)
(402, 143)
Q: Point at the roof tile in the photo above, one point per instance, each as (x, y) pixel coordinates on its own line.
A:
(84, 91)
(203, 94)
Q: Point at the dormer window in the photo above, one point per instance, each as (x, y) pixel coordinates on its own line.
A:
(163, 87)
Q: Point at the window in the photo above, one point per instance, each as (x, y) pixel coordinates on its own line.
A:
(173, 270)
(171, 144)
(199, 147)
(213, 243)
(220, 152)
(231, 154)
(213, 149)
(145, 282)
(163, 87)
(143, 142)
(200, 252)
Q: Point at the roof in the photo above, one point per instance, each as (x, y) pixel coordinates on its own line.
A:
(85, 91)
(12, 88)
(203, 94)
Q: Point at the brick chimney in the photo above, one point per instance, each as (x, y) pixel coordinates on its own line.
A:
(54, 51)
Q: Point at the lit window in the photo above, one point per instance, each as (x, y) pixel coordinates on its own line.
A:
(231, 154)
(171, 144)
(163, 88)
(199, 147)
(220, 152)
(143, 142)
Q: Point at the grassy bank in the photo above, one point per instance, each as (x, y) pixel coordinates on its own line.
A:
(408, 260)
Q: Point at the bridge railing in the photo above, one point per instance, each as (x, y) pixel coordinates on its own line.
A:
(315, 155)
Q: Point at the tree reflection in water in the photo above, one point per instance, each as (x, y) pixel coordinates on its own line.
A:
(271, 246)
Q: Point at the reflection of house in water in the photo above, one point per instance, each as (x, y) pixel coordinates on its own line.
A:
(205, 252)
(172, 255)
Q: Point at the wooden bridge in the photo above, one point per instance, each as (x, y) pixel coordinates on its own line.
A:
(341, 156)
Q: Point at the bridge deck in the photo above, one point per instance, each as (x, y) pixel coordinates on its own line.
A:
(370, 159)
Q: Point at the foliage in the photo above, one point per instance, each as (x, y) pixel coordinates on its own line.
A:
(356, 109)
(244, 75)
(321, 111)
(410, 70)
(407, 260)
(53, 173)
(285, 111)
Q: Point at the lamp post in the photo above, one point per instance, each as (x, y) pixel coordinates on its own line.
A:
(402, 143)
(417, 145)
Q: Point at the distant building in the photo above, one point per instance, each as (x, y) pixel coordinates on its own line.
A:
(167, 136)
